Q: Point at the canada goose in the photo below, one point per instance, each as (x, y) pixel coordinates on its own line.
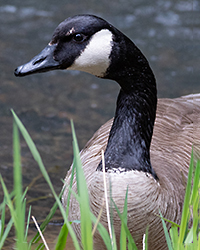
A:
(89, 43)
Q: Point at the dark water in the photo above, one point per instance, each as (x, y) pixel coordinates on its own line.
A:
(168, 33)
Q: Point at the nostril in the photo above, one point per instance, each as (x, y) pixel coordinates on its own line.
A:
(39, 60)
(17, 70)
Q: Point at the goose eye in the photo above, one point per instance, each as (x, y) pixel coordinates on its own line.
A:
(79, 37)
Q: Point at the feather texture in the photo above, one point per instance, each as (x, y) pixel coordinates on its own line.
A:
(176, 130)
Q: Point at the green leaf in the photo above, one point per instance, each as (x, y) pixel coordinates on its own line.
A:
(189, 238)
(123, 231)
(174, 236)
(69, 190)
(2, 221)
(146, 239)
(41, 246)
(8, 201)
(38, 159)
(27, 225)
(195, 202)
(6, 232)
(103, 232)
(86, 223)
(62, 238)
(37, 237)
(185, 212)
(19, 226)
(169, 244)
(131, 243)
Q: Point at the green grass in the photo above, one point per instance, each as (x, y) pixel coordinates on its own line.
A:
(178, 237)
(182, 237)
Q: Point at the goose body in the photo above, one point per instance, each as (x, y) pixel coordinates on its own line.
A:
(146, 150)
(177, 123)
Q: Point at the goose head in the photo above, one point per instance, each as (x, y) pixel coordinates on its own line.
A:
(80, 43)
(89, 43)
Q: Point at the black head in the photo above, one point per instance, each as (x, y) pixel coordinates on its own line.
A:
(71, 39)
(89, 43)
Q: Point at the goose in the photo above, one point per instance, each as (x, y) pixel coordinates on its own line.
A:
(148, 143)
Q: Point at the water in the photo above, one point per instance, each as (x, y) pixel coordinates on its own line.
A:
(168, 33)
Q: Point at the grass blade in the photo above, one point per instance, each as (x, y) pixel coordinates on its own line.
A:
(86, 223)
(2, 221)
(70, 188)
(106, 199)
(27, 225)
(41, 246)
(38, 159)
(189, 238)
(131, 243)
(41, 235)
(8, 200)
(62, 238)
(20, 220)
(103, 232)
(174, 236)
(123, 231)
(6, 232)
(185, 212)
(195, 202)
(145, 239)
(169, 244)
(37, 237)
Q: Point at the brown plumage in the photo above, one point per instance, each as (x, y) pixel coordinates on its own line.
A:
(153, 168)
(176, 129)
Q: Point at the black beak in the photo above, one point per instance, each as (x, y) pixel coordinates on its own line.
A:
(43, 62)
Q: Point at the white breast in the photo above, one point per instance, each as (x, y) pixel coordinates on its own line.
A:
(95, 58)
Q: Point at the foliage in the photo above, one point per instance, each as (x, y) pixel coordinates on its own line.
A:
(178, 238)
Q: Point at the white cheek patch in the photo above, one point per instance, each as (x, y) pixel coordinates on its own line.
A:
(94, 59)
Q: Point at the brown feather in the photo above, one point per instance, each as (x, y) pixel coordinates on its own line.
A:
(176, 129)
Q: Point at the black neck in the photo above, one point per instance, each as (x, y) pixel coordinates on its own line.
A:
(129, 141)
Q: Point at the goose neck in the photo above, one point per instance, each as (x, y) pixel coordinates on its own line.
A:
(129, 141)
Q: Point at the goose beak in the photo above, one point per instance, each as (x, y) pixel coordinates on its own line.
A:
(43, 62)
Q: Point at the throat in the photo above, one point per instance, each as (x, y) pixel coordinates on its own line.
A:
(129, 141)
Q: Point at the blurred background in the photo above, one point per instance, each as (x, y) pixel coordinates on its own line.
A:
(167, 32)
